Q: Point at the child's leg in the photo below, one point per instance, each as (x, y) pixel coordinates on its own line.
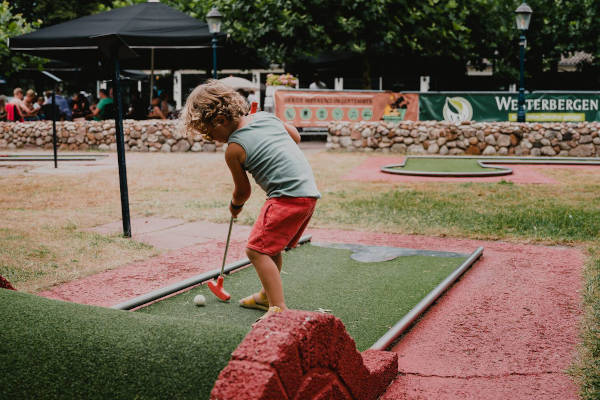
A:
(279, 262)
(268, 268)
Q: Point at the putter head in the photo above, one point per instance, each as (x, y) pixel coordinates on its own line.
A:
(217, 289)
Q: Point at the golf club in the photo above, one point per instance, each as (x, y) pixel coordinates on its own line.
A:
(217, 287)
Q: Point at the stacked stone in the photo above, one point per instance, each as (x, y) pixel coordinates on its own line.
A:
(468, 138)
(144, 136)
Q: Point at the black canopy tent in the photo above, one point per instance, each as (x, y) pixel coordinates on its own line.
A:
(130, 37)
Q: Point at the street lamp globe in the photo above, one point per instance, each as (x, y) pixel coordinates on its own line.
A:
(523, 16)
(214, 18)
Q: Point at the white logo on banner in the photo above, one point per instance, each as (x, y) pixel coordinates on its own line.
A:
(457, 109)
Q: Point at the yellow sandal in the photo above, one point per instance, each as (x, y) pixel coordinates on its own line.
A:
(271, 310)
(251, 301)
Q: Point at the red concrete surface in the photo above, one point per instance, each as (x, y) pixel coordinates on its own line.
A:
(370, 171)
(508, 328)
(303, 355)
(115, 286)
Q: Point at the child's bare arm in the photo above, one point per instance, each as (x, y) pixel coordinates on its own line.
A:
(235, 156)
(293, 132)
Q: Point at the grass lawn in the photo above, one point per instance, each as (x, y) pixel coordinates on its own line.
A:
(43, 217)
(369, 297)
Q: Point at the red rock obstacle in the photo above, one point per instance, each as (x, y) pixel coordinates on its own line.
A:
(303, 355)
(5, 284)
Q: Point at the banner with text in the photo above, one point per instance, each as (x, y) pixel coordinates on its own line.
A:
(539, 107)
(317, 108)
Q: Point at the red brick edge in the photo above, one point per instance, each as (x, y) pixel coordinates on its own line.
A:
(5, 284)
(303, 355)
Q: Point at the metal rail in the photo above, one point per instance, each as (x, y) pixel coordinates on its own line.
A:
(194, 280)
(401, 326)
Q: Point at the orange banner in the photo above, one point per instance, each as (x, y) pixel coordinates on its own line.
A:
(317, 108)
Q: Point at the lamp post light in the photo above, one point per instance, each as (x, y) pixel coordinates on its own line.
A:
(523, 17)
(214, 18)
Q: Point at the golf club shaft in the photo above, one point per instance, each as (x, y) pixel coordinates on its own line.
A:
(227, 245)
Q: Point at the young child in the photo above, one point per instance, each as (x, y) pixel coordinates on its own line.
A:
(267, 148)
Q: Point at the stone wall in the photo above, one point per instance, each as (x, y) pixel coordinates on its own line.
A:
(486, 138)
(151, 135)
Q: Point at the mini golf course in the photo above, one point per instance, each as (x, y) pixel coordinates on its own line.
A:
(465, 166)
(174, 349)
(369, 297)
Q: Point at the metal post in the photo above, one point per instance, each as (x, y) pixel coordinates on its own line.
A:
(121, 149)
(521, 109)
(214, 47)
(151, 77)
(54, 128)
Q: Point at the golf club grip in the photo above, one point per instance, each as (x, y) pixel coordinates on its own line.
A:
(227, 245)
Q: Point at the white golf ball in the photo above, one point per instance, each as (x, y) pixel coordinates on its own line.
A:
(200, 300)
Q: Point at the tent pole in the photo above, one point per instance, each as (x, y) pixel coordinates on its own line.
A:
(54, 127)
(121, 149)
(151, 74)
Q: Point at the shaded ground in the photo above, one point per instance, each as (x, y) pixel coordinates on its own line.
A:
(508, 328)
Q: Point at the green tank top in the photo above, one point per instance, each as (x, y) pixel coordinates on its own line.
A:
(273, 158)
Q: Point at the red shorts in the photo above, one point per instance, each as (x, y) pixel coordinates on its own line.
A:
(281, 222)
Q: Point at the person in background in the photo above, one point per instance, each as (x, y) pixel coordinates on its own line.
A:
(3, 108)
(317, 83)
(63, 105)
(137, 109)
(80, 107)
(155, 110)
(165, 107)
(31, 113)
(99, 111)
(19, 101)
(38, 106)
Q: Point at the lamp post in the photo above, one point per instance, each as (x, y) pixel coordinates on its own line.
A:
(523, 17)
(214, 18)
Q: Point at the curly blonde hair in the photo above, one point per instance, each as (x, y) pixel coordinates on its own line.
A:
(206, 102)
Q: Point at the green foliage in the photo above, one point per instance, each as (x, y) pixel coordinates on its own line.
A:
(52, 12)
(286, 30)
(11, 25)
(557, 28)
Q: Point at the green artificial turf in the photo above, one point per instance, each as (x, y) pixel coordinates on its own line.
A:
(369, 298)
(57, 350)
(444, 165)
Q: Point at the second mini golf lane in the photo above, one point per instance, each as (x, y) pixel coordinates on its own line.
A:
(369, 297)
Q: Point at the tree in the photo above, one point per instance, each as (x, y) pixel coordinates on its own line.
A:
(52, 12)
(557, 29)
(13, 25)
(287, 30)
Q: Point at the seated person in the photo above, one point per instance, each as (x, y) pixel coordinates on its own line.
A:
(24, 105)
(28, 102)
(37, 105)
(165, 107)
(155, 110)
(3, 116)
(104, 108)
(137, 108)
(80, 107)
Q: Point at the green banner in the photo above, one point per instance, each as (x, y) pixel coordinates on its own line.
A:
(502, 106)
